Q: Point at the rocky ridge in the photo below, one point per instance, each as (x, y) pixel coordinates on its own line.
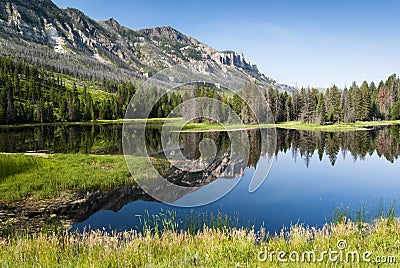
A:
(68, 35)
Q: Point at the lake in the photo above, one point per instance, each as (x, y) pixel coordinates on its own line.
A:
(314, 175)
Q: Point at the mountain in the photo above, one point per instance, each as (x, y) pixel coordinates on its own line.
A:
(68, 41)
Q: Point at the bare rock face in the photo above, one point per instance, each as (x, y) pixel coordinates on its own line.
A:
(233, 58)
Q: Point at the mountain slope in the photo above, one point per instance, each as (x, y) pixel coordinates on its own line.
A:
(68, 41)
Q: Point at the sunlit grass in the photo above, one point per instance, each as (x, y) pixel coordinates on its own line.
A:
(23, 176)
(207, 247)
(156, 224)
(177, 121)
(359, 125)
(97, 122)
(290, 125)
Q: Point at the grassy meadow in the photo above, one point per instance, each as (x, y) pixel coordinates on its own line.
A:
(352, 245)
(177, 121)
(26, 176)
(292, 125)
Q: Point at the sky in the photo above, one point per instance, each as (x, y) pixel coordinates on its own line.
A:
(305, 43)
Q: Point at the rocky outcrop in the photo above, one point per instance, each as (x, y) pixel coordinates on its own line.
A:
(233, 58)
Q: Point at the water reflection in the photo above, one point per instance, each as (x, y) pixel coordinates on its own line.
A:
(347, 169)
(107, 139)
(314, 173)
(91, 138)
(359, 144)
(291, 194)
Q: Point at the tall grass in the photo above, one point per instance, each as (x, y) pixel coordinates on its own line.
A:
(208, 247)
(362, 215)
(194, 222)
(156, 224)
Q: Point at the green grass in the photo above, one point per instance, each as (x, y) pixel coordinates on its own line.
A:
(116, 121)
(335, 127)
(361, 215)
(286, 125)
(360, 125)
(209, 247)
(202, 126)
(292, 125)
(218, 127)
(156, 224)
(23, 176)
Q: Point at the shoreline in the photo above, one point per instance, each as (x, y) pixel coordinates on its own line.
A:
(294, 125)
(208, 127)
(214, 246)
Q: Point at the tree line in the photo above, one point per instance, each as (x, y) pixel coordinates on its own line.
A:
(32, 94)
(365, 102)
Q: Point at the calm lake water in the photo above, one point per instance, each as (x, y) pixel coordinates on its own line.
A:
(313, 174)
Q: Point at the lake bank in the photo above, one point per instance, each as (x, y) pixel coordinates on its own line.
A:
(29, 176)
(94, 122)
(66, 188)
(193, 127)
(355, 244)
(357, 126)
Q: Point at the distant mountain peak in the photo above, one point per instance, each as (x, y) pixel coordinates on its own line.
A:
(101, 45)
(112, 22)
(165, 33)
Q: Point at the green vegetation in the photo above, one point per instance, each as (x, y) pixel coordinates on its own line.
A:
(359, 125)
(31, 94)
(156, 224)
(96, 122)
(23, 176)
(292, 125)
(367, 102)
(213, 126)
(216, 246)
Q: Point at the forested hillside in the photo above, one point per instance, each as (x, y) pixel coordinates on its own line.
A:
(31, 94)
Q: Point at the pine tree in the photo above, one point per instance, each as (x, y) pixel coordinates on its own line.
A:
(274, 103)
(310, 103)
(333, 101)
(296, 104)
(320, 110)
(3, 104)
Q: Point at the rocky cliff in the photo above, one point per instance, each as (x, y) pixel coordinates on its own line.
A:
(233, 58)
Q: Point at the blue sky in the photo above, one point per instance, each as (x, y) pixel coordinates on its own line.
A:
(315, 43)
